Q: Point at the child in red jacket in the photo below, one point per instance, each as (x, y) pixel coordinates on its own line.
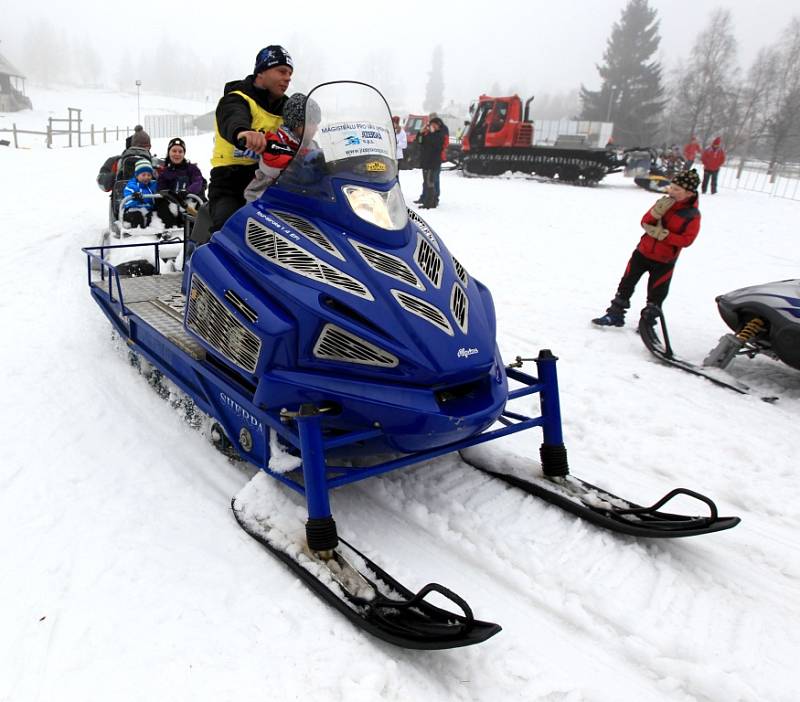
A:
(670, 225)
(284, 143)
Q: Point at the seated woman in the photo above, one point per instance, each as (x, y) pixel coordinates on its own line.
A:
(178, 176)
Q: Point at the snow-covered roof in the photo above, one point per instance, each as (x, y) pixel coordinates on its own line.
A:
(7, 69)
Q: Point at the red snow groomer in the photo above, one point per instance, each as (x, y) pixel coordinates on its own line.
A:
(500, 138)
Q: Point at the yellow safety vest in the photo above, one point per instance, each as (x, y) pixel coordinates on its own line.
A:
(261, 120)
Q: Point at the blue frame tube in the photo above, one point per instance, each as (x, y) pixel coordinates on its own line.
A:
(550, 404)
(315, 476)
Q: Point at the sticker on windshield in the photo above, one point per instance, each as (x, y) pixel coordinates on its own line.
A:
(348, 139)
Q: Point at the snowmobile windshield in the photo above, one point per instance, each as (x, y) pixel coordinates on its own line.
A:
(348, 134)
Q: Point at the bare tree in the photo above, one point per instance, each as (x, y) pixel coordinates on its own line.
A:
(782, 125)
(707, 93)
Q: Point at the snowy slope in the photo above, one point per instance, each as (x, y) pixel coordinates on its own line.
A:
(102, 108)
(125, 576)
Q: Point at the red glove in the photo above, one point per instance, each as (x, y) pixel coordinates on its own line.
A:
(280, 149)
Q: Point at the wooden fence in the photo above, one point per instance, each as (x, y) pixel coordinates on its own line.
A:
(75, 132)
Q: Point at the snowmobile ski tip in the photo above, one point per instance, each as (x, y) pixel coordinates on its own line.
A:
(662, 350)
(612, 512)
(405, 619)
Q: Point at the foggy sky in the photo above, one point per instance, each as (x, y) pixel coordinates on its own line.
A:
(536, 47)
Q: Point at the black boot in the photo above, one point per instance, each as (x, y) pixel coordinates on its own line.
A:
(609, 320)
(615, 314)
(650, 314)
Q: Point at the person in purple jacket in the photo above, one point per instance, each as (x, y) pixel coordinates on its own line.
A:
(178, 175)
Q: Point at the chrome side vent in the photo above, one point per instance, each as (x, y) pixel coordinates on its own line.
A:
(459, 306)
(336, 344)
(292, 257)
(423, 309)
(429, 261)
(423, 227)
(310, 230)
(460, 271)
(211, 321)
(247, 312)
(388, 264)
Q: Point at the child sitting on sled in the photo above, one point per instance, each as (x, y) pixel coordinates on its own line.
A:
(138, 211)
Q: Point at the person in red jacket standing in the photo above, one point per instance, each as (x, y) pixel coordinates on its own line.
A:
(713, 158)
(670, 225)
(691, 151)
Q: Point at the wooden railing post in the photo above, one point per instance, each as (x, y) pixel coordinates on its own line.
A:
(104, 135)
(91, 128)
(14, 130)
(49, 132)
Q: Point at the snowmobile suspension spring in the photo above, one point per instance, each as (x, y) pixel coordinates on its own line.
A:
(751, 329)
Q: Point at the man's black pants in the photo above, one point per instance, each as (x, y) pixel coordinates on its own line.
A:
(226, 192)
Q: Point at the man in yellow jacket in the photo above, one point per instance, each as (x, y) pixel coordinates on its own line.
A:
(247, 109)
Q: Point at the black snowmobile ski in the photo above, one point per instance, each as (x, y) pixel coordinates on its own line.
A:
(662, 350)
(612, 512)
(384, 607)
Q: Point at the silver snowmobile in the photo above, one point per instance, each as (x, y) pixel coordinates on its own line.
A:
(764, 319)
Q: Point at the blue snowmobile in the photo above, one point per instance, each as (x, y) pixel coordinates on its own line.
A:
(329, 324)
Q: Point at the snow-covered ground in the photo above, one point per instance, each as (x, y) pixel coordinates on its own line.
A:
(124, 576)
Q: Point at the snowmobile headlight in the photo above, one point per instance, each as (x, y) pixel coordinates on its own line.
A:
(386, 210)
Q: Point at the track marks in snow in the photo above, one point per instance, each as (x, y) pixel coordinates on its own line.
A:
(622, 595)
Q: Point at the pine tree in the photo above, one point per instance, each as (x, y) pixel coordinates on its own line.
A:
(631, 94)
(434, 90)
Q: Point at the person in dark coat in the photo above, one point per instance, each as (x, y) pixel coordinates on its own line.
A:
(139, 148)
(248, 109)
(431, 140)
(129, 139)
(179, 175)
(670, 225)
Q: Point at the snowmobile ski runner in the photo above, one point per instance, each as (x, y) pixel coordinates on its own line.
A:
(610, 511)
(661, 348)
(327, 322)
